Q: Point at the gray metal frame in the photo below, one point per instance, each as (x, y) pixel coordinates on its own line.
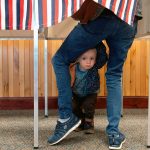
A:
(36, 120)
(36, 105)
(45, 78)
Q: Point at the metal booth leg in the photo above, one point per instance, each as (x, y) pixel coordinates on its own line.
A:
(35, 88)
(45, 78)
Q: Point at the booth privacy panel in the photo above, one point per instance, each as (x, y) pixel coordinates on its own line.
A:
(16, 14)
(19, 14)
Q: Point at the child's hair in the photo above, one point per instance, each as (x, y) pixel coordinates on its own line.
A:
(77, 61)
(100, 46)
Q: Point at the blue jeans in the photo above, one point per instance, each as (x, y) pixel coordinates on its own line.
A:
(119, 37)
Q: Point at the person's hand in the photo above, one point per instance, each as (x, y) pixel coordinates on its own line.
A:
(79, 15)
(87, 11)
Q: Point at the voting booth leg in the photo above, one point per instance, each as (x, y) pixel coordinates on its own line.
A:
(36, 88)
(45, 78)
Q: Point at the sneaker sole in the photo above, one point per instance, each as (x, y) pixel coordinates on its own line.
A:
(78, 130)
(89, 132)
(69, 131)
(111, 147)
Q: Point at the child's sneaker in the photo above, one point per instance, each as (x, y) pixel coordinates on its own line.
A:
(80, 127)
(116, 141)
(63, 129)
(88, 127)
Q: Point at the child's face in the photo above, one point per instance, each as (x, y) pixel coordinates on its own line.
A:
(88, 59)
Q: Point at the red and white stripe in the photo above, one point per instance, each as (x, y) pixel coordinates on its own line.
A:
(2, 5)
(8, 14)
(126, 16)
(14, 15)
(53, 10)
(49, 14)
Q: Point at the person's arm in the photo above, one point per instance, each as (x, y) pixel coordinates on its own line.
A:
(102, 56)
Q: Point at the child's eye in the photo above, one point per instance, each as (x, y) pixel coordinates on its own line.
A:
(92, 58)
(83, 58)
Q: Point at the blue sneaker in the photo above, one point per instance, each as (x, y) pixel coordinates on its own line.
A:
(116, 141)
(63, 129)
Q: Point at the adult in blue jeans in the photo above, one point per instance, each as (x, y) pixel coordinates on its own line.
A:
(119, 36)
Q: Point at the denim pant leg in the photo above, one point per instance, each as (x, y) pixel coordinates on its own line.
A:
(75, 44)
(119, 44)
(65, 93)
